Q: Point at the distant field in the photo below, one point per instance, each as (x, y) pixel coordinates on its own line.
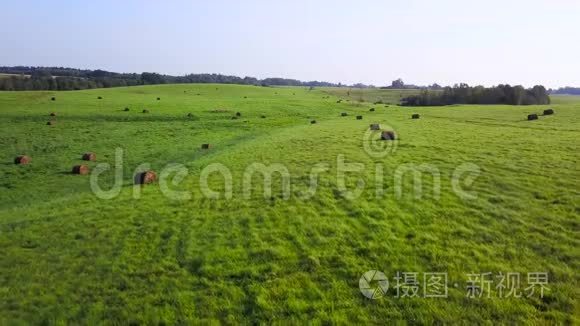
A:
(12, 75)
(565, 99)
(69, 257)
(371, 95)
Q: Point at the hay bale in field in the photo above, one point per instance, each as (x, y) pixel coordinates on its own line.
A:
(52, 114)
(532, 117)
(372, 110)
(343, 114)
(388, 135)
(22, 159)
(145, 177)
(89, 156)
(204, 146)
(53, 98)
(80, 169)
(415, 116)
(145, 111)
(359, 117)
(549, 112)
(375, 126)
(312, 121)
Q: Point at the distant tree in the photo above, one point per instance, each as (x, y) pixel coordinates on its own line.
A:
(151, 78)
(566, 91)
(398, 84)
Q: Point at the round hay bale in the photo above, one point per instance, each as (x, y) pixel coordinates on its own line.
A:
(313, 122)
(372, 110)
(415, 116)
(52, 114)
(145, 111)
(549, 112)
(375, 126)
(22, 159)
(532, 117)
(89, 156)
(238, 114)
(388, 135)
(359, 117)
(146, 177)
(343, 114)
(53, 98)
(80, 169)
(50, 123)
(126, 109)
(204, 146)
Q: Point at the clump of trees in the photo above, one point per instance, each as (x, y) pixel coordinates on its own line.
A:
(464, 94)
(57, 78)
(400, 84)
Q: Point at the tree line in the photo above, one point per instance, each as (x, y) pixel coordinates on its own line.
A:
(566, 91)
(465, 94)
(23, 78)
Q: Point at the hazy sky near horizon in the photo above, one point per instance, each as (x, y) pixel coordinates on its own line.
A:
(445, 41)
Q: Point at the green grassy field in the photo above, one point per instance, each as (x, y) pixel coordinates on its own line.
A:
(372, 95)
(67, 256)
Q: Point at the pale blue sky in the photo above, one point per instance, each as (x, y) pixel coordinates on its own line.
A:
(445, 41)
